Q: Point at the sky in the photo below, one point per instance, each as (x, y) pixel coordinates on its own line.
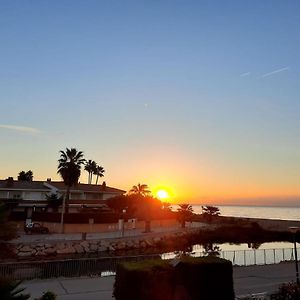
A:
(200, 98)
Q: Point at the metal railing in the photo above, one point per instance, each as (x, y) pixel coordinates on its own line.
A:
(106, 266)
(246, 257)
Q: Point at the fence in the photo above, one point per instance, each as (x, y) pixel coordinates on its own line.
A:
(105, 266)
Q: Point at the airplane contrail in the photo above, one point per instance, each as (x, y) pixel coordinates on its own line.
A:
(274, 72)
(20, 128)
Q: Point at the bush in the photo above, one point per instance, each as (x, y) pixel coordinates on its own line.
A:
(147, 280)
(10, 290)
(48, 296)
(287, 291)
(196, 278)
(206, 277)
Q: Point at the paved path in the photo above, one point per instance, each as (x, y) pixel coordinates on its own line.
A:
(24, 238)
(247, 280)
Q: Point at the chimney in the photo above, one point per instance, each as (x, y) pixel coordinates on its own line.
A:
(103, 186)
(48, 179)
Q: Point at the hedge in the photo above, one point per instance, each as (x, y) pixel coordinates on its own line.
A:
(195, 278)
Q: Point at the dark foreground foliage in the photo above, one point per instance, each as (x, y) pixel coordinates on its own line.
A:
(10, 290)
(190, 278)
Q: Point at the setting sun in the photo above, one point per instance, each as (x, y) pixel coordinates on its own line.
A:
(162, 194)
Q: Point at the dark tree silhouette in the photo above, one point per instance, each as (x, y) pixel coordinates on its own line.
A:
(69, 168)
(25, 176)
(209, 212)
(11, 290)
(141, 192)
(184, 213)
(54, 201)
(140, 189)
(99, 172)
(8, 230)
(90, 167)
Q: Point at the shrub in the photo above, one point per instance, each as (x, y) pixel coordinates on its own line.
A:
(206, 277)
(10, 290)
(287, 291)
(48, 296)
(147, 280)
(196, 278)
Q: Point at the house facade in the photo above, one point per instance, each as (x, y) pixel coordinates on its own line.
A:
(31, 195)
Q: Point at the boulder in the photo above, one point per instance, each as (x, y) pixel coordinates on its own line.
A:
(78, 248)
(26, 249)
(102, 248)
(94, 247)
(24, 254)
(50, 251)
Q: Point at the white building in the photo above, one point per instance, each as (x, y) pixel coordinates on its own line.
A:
(31, 195)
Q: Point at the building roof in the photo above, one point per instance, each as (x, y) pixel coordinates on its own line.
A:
(22, 185)
(44, 185)
(83, 187)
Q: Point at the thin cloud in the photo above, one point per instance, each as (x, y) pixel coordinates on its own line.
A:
(274, 72)
(20, 128)
(245, 74)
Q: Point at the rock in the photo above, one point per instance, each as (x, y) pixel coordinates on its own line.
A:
(143, 244)
(50, 251)
(26, 249)
(120, 246)
(93, 242)
(24, 254)
(19, 246)
(101, 248)
(156, 240)
(40, 253)
(62, 251)
(94, 247)
(78, 248)
(104, 244)
(47, 246)
(149, 243)
(60, 246)
(111, 248)
(41, 245)
(85, 244)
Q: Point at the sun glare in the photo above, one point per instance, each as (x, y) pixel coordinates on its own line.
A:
(162, 194)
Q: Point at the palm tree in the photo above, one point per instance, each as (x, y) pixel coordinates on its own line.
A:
(69, 168)
(90, 167)
(185, 211)
(99, 172)
(25, 176)
(140, 189)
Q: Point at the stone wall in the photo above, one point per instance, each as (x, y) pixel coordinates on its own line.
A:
(94, 246)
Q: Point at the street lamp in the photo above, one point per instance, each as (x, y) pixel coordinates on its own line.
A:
(294, 230)
(123, 223)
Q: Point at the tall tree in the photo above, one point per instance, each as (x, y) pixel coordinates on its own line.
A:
(90, 167)
(25, 176)
(69, 168)
(185, 211)
(140, 189)
(99, 172)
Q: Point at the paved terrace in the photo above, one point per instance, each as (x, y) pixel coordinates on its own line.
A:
(247, 280)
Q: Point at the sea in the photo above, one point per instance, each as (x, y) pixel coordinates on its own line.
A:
(264, 212)
(272, 252)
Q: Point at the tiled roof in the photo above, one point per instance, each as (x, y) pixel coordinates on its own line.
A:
(24, 185)
(85, 187)
(40, 185)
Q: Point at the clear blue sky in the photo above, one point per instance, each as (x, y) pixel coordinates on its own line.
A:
(201, 97)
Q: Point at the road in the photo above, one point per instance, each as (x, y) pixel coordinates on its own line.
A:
(247, 280)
